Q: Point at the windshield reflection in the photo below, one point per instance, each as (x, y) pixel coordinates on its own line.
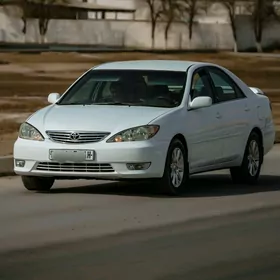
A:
(127, 88)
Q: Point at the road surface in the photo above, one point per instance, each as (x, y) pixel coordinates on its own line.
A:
(101, 230)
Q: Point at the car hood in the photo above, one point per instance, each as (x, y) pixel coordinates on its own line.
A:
(93, 117)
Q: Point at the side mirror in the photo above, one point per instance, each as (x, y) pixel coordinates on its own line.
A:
(200, 102)
(257, 90)
(53, 97)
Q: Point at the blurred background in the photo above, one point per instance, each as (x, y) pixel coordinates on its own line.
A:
(144, 24)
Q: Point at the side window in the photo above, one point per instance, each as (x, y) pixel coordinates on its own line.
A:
(225, 88)
(200, 85)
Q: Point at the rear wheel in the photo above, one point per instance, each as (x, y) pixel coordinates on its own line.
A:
(33, 183)
(249, 171)
(176, 170)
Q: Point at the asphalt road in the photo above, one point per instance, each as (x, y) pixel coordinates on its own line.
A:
(94, 230)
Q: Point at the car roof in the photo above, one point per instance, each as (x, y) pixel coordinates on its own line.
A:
(156, 65)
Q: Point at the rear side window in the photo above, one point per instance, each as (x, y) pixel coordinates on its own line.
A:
(201, 85)
(225, 88)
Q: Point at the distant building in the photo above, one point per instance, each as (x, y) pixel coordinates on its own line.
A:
(126, 23)
(212, 12)
(72, 10)
(119, 9)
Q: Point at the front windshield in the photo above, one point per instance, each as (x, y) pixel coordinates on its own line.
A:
(127, 87)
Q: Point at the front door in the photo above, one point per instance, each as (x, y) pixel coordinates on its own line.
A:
(203, 127)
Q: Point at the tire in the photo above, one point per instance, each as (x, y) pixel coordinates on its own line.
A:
(249, 171)
(34, 183)
(175, 169)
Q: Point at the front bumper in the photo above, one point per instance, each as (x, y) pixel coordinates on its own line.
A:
(110, 161)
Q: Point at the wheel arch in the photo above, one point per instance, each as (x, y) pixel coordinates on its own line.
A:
(181, 137)
(258, 131)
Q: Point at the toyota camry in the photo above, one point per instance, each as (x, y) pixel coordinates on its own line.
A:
(160, 120)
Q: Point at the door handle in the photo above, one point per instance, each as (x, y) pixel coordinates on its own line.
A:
(247, 109)
(218, 116)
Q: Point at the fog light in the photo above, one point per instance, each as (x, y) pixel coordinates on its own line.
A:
(20, 163)
(138, 166)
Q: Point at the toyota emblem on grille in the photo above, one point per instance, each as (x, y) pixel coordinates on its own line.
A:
(74, 136)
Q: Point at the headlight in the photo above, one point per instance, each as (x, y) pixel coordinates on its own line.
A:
(139, 133)
(29, 132)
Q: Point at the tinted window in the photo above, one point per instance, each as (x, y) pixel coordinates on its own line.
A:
(225, 88)
(200, 85)
(133, 87)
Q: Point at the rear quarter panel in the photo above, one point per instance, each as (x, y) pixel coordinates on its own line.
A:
(265, 119)
(261, 116)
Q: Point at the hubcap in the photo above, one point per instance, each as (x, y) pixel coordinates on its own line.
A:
(177, 167)
(253, 158)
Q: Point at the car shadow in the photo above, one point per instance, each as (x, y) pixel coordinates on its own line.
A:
(198, 186)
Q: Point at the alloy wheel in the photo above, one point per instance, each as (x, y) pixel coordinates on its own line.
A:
(253, 158)
(177, 167)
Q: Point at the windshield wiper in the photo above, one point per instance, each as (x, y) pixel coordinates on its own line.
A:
(114, 103)
(75, 103)
(101, 103)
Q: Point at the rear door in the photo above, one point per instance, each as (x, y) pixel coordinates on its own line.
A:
(234, 114)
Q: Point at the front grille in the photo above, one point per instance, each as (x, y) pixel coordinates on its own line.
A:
(75, 167)
(76, 137)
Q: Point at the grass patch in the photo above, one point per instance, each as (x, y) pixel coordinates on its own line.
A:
(8, 126)
(22, 107)
(37, 88)
(48, 57)
(8, 77)
(263, 72)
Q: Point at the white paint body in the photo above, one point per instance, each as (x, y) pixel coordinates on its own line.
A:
(215, 136)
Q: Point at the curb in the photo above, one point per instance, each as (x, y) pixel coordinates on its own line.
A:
(7, 166)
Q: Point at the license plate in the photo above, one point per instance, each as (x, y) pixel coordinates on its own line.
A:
(71, 155)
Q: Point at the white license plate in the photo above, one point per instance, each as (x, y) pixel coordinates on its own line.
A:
(71, 155)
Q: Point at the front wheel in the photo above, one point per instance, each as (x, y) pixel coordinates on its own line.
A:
(34, 183)
(249, 171)
(176, 170)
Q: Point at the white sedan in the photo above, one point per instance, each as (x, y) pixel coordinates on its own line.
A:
(162, 120)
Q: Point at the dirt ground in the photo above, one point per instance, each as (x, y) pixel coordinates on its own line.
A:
(27, 79)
